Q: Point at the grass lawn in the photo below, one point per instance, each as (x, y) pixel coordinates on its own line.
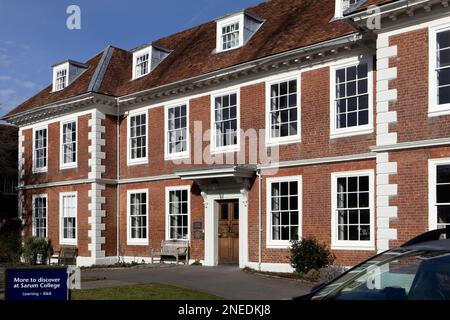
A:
(153, 291)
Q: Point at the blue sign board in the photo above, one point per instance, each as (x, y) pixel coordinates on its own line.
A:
(37, 284)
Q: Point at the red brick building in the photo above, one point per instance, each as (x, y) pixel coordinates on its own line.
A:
(288, 119)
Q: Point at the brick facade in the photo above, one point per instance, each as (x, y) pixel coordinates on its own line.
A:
(400, 113)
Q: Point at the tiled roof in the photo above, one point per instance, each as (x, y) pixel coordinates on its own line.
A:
(289, 24)
(46, 96)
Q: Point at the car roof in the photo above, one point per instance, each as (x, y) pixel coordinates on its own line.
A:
(433, 245)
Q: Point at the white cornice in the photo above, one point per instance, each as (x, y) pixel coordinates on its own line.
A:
(66, 183)
(318, 161)
(413, 145)
(60, 107)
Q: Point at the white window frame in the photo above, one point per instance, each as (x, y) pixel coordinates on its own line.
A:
(357, 130)
(44, 196)
(282, 244)
(143, 241)
(143, 160)
(57, 69)
(232, 148)
(434, 109)
(225, 22)
(177, 155)
(69, 165)
(63, 240)
(349, 244)
(178, 188)
(432, 199)
(290, 139)
(43, 169)
(139, 53)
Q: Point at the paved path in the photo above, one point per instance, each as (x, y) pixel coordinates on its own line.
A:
(225, 281)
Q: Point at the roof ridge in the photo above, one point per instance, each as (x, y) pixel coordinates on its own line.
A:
(102, 66)
(247, 10)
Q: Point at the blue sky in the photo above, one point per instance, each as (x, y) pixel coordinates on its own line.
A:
(33, 34)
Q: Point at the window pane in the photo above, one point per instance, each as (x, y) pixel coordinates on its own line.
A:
(364, 233)
(353, 184)
(353, 216)
(363, 117)
(444, 58)
(362, 70)
(444, 95)
(351, 73)
(343, 232)
(340, 76)
(284, 188)
(443, 193)
(294, 233)
(352, 104)
(443, 174)
(364, 216)
(443, 39)
(284, 203)
(353, 233)
(276, 218)
(363, 200)
(443, 214)
(444, 77)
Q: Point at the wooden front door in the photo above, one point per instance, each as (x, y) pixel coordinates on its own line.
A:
(229, 232)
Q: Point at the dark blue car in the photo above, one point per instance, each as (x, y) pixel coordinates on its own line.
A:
(418, 270)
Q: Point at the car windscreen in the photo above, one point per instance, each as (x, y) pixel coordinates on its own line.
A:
(395, 275)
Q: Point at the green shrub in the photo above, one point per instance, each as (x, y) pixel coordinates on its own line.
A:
(10, 241)
(307, 254)
(196, 263)
(37, 250)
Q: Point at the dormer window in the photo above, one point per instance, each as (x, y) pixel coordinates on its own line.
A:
(343, 5)
(61, 79)
(142, 65)
(230, 36)
(147, 58)
(346, 4)
(64, 73)
(235, 31)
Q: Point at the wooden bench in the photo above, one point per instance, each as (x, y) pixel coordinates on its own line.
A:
(67, 255)
(178, 249)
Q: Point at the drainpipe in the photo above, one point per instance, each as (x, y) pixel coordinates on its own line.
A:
(258, 173)
(118, 185)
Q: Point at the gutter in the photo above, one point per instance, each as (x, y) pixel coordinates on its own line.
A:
(74, 100)
(385, 8)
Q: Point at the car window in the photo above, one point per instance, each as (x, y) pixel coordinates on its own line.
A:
(395, 276)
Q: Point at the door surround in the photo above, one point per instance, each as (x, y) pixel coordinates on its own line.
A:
(212, 225)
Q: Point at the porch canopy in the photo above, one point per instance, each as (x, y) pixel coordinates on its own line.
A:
(220, 177)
